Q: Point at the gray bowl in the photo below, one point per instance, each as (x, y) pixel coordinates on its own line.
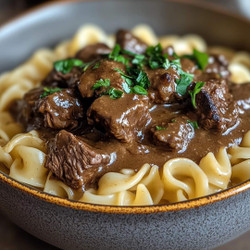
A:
(202, 223)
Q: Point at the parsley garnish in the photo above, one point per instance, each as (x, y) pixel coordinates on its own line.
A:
(65, 66)
(126, 88)
(137, 82)
(194, 124)
(97, 65)
(49, 91)
(137, 89)
(155, 58)
(183, 83)
(159, 128)
(116, 56)
(101, 83)
(114, 93)
(201, 58)
(195, 91)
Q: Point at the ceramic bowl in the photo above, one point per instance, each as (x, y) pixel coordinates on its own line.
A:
(197, 224)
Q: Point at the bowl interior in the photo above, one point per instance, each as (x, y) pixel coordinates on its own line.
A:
(51, 24)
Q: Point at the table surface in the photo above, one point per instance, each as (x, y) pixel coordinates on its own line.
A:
(12, 237)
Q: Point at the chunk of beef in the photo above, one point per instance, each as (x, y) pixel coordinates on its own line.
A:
(174, 135)
(58, 79)
(163, 85)
(218, 64)
(216, 68)
(106, 70)
(188, 65)
(130, 42)
(75, 162)
(215, 106)
(59, 110)
(241, 94)
(26, 110)
(124, 118)
(93, 52)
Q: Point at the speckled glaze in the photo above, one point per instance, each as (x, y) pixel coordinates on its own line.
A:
(202, 223)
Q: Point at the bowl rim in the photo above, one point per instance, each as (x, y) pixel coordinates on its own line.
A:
(77, 205)
(171, 207)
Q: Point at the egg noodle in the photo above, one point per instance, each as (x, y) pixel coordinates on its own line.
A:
(23, 155)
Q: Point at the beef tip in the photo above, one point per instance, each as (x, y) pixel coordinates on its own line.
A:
(106, 70)
(93, 52)
(241, 94)
(124, 118)
(26, 110)
(188, 65)
(59, 110)
(62, 109)
(215, 106)
(163, 85)
(130, 42)
(58, 79)
(216, 68)
(174, 135)
(218, 64)
(75, 162)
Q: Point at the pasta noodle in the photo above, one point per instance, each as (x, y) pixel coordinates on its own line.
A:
(23, 154)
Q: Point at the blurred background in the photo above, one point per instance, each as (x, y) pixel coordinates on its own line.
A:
(12, 237)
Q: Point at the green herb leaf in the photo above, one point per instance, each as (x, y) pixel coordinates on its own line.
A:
(183, 83)
(115, 55)
(194, 124)
(159, 128)
(97, 65)
(115, 93)
(49, 91)
(142, 80)
(65, 66)
(176, 64)
(101, 83)
(201, 59)
(173, 120)
(126, 88)
(195, 91)
(137, 89)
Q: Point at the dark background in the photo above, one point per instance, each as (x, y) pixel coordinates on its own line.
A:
(14, 238)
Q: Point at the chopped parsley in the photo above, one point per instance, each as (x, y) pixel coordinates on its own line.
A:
(116, 55)
(101, 83)
(65, 66)
(112, 92)
(183, 83)
(194, 124)
(195, 91)
(97, 65)
(155, 58)
(126, 88)
(136, 82)
(49, 91)
(159, 128)
(137, 89)
(201, 59)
